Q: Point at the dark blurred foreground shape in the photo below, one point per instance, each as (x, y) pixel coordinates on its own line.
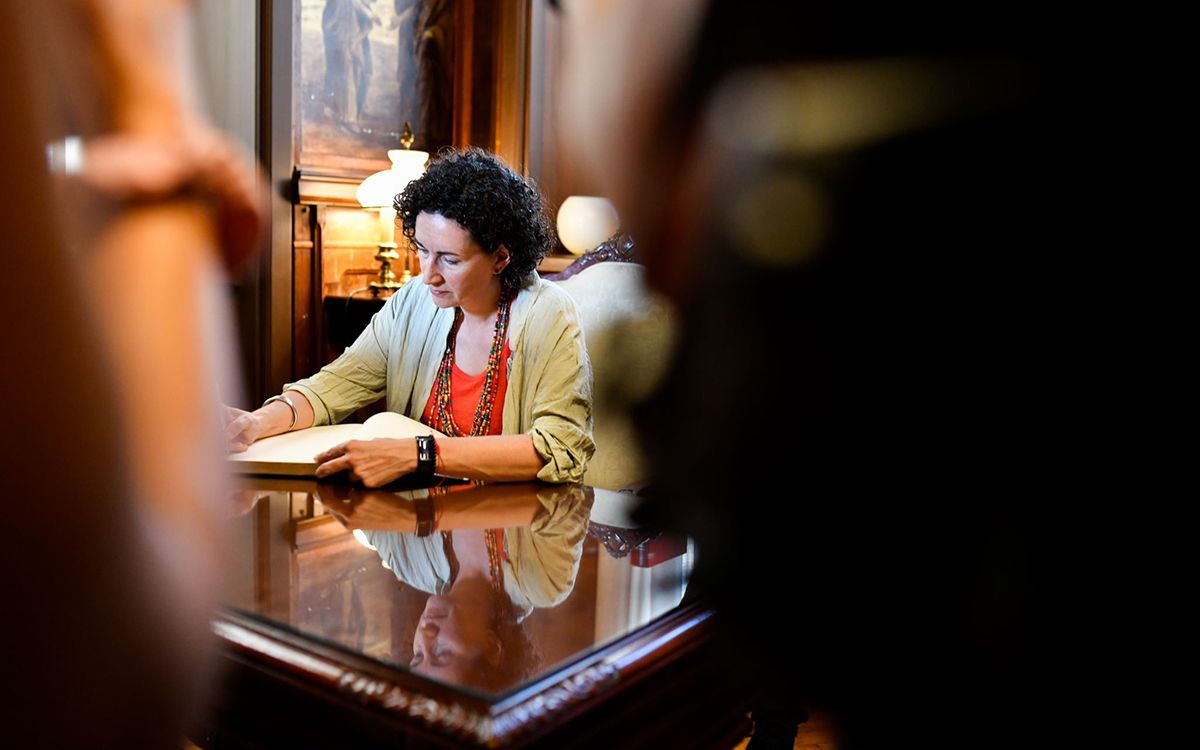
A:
(884, 229)
(114, 341)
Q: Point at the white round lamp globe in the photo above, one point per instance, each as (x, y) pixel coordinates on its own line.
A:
(585, 221)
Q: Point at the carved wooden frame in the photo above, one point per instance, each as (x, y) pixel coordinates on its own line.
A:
(409, 702)
(617, 249)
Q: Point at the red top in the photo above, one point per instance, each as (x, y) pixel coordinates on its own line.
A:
(465, 391)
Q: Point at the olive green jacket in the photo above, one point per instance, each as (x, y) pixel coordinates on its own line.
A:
(540, 561)
(549, 375)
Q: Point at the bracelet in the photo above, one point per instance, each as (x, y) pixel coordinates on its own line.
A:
(426, 456)
(426, 521)
(288, 401)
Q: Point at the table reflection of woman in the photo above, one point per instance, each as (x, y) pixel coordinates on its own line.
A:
(484, 579)
(479, 347)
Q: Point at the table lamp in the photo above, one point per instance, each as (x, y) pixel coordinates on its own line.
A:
(585, 221)
(379, 191)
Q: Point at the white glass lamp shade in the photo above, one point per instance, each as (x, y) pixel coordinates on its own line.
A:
(380, 189)
(407, 165)
(585, 221)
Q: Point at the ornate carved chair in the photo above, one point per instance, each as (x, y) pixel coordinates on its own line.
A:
(629, 333)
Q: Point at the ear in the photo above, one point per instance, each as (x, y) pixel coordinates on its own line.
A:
(501, 259)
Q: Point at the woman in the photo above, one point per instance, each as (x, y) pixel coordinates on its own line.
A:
(478, 348)
(502, 551)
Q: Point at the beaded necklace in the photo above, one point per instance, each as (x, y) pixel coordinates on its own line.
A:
(495, 542)
(443, 415)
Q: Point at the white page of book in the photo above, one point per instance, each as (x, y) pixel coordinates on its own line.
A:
(292, 453)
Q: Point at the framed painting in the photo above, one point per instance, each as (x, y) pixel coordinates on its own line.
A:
(364, 68)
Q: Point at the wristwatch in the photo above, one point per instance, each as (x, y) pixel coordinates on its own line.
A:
(426, 456)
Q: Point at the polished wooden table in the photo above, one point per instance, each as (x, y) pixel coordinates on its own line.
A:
(330, 581)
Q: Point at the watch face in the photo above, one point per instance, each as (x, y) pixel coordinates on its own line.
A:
(425, 453)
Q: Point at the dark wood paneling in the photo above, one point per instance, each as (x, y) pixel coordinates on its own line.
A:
(306, 268)
(263, 297)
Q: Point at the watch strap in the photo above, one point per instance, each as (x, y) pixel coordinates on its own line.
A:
(426, 456)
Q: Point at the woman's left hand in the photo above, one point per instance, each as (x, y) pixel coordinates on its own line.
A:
(372, 462)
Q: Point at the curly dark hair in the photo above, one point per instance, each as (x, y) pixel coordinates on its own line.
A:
(497, 205)
(520, 657)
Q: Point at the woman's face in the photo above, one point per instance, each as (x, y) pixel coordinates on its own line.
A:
(453, 638)
(455, 268)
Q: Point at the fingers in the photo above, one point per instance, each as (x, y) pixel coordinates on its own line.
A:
(334, 491)
(374, 480)
(135, 166)
(241, 431)
(337, 450)
(238, 184)
(364, 461)
(237, 426)
(341, 463)
(198, 158)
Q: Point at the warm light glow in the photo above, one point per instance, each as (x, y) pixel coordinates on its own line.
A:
(380, 189)
(585, 221)
(387, 225)
(408, 164)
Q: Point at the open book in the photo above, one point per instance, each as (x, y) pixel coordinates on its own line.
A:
(291, 454)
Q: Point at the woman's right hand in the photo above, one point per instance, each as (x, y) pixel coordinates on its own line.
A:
(242, 428)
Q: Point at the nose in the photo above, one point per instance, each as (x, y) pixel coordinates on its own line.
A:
(427, 633)
(428, 274)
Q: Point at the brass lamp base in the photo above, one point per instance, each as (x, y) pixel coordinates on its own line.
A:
(387, 277)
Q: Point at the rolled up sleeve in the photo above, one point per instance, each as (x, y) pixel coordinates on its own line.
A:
(561, 411)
